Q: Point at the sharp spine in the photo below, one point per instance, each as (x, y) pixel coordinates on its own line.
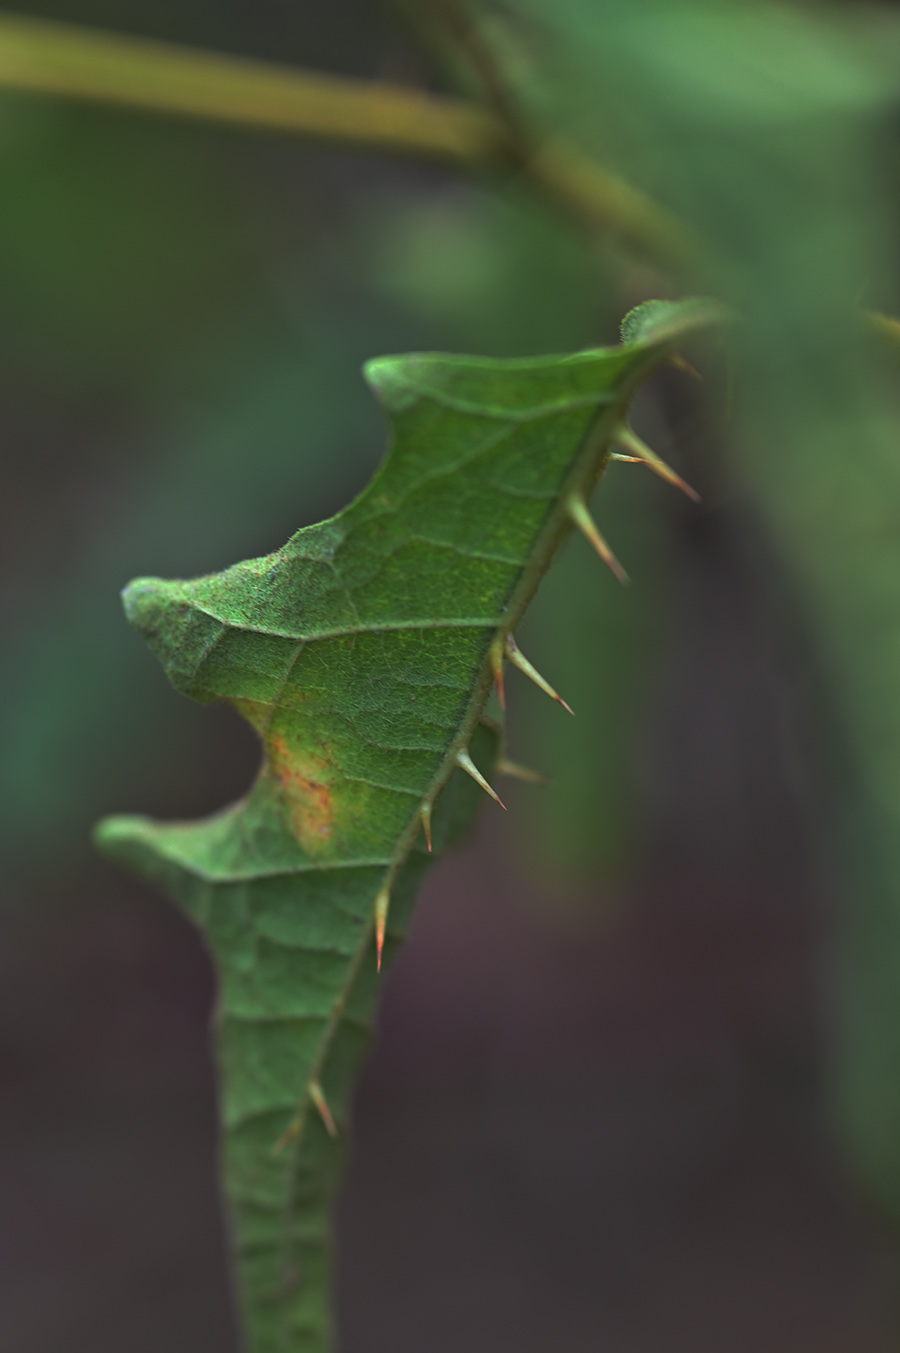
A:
(382, 902)
(682, 364)
(465, 762)
(290, 1132)
(640, 451)
(515, 655)
(321, 1103)
(577, 510)
(517, 772)
(497, 655)
(425, 814)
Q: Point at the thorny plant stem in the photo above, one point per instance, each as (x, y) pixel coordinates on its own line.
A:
(46, 57)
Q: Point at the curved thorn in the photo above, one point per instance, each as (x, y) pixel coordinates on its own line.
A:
(517, 772)
(468, 765)
(425, 814)
(577, 509)
(290, 1132)
(317, 1097)
(382, 902)
(518, 659)
(641, 451)
(497, 666)
(682, 364)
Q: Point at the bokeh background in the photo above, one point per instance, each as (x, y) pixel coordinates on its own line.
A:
(604, 1107)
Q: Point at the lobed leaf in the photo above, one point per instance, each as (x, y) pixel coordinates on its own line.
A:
(363, 652)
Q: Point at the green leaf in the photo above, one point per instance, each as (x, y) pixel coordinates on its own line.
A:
(362, 654)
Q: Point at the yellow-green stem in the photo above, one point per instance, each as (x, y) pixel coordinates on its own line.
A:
(74, 62)
(46, 57)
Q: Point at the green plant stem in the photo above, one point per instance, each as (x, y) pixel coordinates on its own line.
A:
(56, 58)
(46, 57)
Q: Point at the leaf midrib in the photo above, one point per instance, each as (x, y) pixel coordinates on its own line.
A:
(588, 466)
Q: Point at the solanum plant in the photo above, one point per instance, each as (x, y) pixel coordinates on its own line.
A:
(365, 650)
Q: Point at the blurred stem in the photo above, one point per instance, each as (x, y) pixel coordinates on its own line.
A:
(589, 195)
(454, 20)
(75, 62)
(885, 326)
(598, 200)
(46, 57)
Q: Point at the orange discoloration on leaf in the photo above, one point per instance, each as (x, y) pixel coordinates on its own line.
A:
(305, 779)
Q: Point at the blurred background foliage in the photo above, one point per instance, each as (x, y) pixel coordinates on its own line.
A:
(183, 313)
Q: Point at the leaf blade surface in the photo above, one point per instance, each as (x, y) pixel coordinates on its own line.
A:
(361, 653)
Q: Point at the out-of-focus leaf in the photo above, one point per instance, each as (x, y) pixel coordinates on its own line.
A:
(763, 125)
